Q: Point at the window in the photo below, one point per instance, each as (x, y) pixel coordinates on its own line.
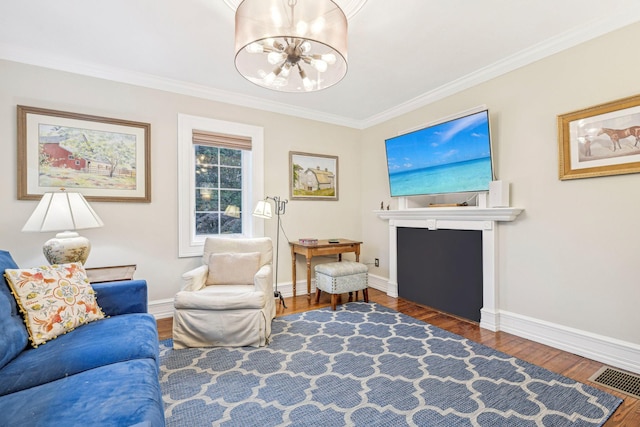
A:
(218, 190)
(220, 180)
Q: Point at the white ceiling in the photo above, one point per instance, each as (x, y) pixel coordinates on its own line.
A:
(402, 53)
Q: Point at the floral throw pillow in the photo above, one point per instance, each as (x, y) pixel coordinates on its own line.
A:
(54, 299)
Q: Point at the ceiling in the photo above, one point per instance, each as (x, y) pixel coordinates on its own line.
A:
(402, 54)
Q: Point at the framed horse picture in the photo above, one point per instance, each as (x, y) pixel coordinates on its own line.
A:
(600, 140)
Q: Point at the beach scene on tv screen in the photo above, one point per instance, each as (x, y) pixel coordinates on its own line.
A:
(450, 157)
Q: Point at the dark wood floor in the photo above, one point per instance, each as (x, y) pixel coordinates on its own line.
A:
(567, 364)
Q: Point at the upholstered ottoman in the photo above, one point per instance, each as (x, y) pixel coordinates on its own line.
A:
(336, 278)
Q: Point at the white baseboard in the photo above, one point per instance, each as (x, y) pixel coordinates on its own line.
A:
(620, 354)
(162, 308)
(489, 319)
(379, 283)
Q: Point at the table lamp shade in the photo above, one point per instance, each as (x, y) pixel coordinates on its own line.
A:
(64, 211)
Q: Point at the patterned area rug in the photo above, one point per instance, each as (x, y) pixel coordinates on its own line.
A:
(367, 365)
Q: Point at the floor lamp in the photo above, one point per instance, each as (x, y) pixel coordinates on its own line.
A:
(263, 210)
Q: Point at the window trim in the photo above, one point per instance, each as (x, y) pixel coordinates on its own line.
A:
(188, 244)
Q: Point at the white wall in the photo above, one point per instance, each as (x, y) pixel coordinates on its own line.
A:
(571, 259)
(147, 234)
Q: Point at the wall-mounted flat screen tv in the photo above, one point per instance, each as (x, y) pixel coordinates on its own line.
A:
(453, 156)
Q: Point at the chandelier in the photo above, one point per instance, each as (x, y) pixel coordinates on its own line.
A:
(291, 45)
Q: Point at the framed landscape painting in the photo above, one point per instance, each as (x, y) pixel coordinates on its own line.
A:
(103, 158)
(600, 140)
(313, 176)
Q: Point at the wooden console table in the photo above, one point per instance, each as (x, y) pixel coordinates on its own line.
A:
(323, 247)
(110, 274)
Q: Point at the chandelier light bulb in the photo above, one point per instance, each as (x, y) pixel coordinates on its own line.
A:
(302, 28)
(271, 77)
(276, 57)
(306, 82)
(305, 47)
(319, 65)
(276, 18)
(254, 48)
(286, 68)
(317, 25)
(329, 58)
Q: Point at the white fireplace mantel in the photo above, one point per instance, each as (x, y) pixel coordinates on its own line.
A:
(455, 218)
(468, 213)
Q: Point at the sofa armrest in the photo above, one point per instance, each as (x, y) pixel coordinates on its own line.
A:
(122, 297)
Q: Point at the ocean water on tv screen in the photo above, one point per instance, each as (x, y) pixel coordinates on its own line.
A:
(472, 175)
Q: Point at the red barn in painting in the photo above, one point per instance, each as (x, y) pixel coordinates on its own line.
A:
(60, 157)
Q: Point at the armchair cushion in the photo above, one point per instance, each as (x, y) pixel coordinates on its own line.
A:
(233, 268)
(221, 297)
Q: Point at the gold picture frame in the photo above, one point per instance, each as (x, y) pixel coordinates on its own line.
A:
(601, 140)
(103, 158)
(313, 176)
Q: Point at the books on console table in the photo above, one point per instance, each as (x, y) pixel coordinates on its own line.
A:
(308, 241)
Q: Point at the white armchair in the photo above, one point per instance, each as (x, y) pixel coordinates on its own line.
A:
(228, 301)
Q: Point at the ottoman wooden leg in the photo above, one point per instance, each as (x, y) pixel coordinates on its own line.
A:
(334, 301)
(365, 293)
(318, 295)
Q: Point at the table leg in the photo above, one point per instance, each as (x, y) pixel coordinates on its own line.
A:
(357, 260)
(309, 277)
(293, 271)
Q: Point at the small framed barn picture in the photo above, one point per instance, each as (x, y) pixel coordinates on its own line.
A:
(313, 176)
(105, 159)
(600, 140)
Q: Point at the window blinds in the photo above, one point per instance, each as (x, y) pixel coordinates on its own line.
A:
(203, 137)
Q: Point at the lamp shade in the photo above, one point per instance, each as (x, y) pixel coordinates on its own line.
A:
(63, 211)
(291, 46)
(263, 210)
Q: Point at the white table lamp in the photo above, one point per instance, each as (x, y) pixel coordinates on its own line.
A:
(65, 212)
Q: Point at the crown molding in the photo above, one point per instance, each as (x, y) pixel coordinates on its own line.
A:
(542, 50)
(567, 40)
(42, 59)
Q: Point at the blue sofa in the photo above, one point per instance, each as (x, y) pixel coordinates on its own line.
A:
(104, 373)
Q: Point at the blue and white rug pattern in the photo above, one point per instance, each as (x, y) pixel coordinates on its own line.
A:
(367, 365)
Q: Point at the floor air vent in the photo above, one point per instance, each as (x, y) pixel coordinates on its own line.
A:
(618, 380)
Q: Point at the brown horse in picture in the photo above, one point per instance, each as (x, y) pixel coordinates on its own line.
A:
(617, 134)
